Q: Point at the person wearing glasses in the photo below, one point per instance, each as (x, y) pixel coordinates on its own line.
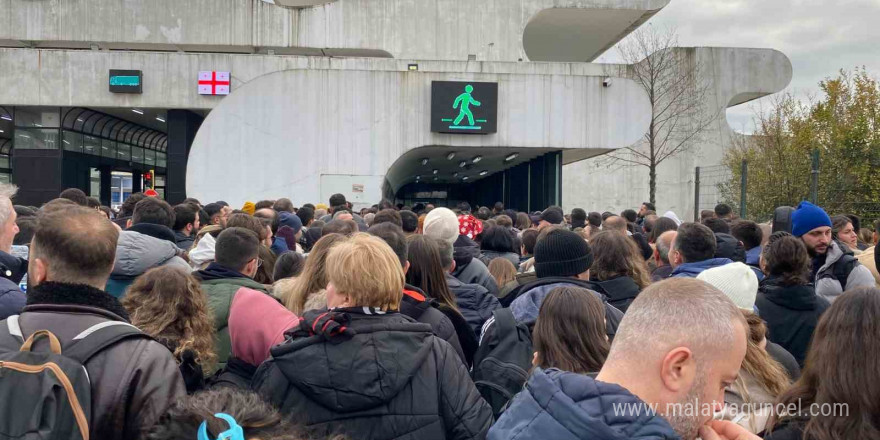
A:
(236, 260)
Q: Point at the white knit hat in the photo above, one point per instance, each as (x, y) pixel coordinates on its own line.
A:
(442, 224)
(736, 280)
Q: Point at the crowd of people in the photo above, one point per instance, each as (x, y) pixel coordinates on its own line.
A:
(201, 321)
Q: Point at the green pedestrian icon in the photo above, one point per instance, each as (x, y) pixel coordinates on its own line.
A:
(465, 99)
(463, 104)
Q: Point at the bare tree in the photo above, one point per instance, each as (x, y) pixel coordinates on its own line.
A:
(677, 90)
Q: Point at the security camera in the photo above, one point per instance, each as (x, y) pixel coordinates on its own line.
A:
(606, 82)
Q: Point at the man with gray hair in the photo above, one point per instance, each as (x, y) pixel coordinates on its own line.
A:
(661, 256)
(12, 268)
(680, 344)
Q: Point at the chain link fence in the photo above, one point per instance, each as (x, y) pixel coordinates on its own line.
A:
(711, 188)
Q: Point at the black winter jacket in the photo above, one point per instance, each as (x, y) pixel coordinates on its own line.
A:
(729, 247)
(372, 377)
(474, 302)
(12, 270)
(418, 306)
(791, 313)
(621, 291)
(468, 267)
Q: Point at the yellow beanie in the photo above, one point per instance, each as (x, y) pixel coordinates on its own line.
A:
(249, 208)
(320, 206)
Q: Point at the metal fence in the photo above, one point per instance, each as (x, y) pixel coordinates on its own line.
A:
(716, 184)
(709, 188)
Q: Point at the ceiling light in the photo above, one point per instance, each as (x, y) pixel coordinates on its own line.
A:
(37, 125)
(424, 161)
(450, 156)
(140, 112)
(65, 141)
(462, 164)
(6, 117)
(477, 159)
(436, 178)
(436, 171)
(79, 119)
(455, 174)
(464, 178)
(159, 119)
(511, 157)
(1, 131)
(484, 172)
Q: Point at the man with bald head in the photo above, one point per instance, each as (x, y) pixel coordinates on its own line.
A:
(618, 224)
(661, 256)
(679, 345)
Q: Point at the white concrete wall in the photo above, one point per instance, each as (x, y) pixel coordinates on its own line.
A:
(279, 134)
(492, 30)
(736, 76)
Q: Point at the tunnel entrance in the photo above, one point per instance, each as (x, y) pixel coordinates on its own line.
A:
(525, 179)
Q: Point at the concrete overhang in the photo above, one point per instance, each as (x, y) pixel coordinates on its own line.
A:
(581, 34)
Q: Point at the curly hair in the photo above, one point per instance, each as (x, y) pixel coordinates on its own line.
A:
(617, 255)
(168, 304)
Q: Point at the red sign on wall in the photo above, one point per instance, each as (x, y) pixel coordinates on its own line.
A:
(213, 83)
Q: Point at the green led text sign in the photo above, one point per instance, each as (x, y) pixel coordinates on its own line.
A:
(464, 107)
(126, 81)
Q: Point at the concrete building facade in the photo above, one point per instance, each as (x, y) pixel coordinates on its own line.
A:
(335, 96)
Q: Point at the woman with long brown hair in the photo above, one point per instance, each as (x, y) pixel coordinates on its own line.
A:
(168, 304)
(570, 331)
(618, 270)
(761, 380)
(838, 393)
(308, 288)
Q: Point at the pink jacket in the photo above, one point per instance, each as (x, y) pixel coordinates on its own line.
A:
(256, 323)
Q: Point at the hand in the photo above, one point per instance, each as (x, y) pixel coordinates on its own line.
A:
(724, 430)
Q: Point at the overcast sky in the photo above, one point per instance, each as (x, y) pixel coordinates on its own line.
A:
(820, 37)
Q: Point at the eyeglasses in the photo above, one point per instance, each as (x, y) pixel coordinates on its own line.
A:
(259, 262)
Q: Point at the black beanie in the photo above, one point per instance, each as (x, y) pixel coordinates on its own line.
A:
(562, 254)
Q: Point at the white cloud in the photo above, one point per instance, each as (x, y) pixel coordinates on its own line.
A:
(820, 37)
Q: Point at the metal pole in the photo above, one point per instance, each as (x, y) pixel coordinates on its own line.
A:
(744, 178)
(814, 183)
(697, 195)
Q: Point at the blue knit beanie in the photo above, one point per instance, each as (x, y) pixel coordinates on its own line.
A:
(288, 219)
(807, 217)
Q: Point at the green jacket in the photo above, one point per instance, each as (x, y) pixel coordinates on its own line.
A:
(220, 293)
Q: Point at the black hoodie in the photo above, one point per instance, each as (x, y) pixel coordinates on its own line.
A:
(792, 313)
(372, 377)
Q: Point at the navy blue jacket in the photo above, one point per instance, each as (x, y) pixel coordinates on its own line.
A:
(566, 406)
(691, 270)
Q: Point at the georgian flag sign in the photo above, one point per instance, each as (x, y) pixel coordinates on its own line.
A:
(213, 83)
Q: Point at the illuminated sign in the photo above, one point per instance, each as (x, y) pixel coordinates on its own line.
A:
(213, 83)
(126, 81)
(464, 107)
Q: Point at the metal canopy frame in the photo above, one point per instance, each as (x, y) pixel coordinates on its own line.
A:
(98, 124)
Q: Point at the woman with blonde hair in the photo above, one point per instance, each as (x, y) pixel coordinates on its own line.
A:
(168, 304)
(361, 367)
(306, 292)
(618, 269)
(502, 270)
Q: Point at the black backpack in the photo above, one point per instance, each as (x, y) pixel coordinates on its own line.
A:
(503, 361)
(47, 394)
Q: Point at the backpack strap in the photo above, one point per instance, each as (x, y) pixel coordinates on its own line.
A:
(843, 267)
(504, 321)
(96, 338)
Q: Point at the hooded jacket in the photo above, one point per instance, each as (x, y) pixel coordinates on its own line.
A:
(791, 313)
(418, 307)
(621, 291)
(257, 322)
(137, 253)
(488, 256)
(729, 247)
(529, 298)
(566, 406)
(203, 253)
(474, 301)
(468, 267)
(12, 270)
(691, 270)
(372, 376)
(133, 382)
(183, 241)
(829, 287)
(221, 285)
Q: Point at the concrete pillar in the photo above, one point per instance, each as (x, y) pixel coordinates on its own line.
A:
(106, 184)
(182, 127)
